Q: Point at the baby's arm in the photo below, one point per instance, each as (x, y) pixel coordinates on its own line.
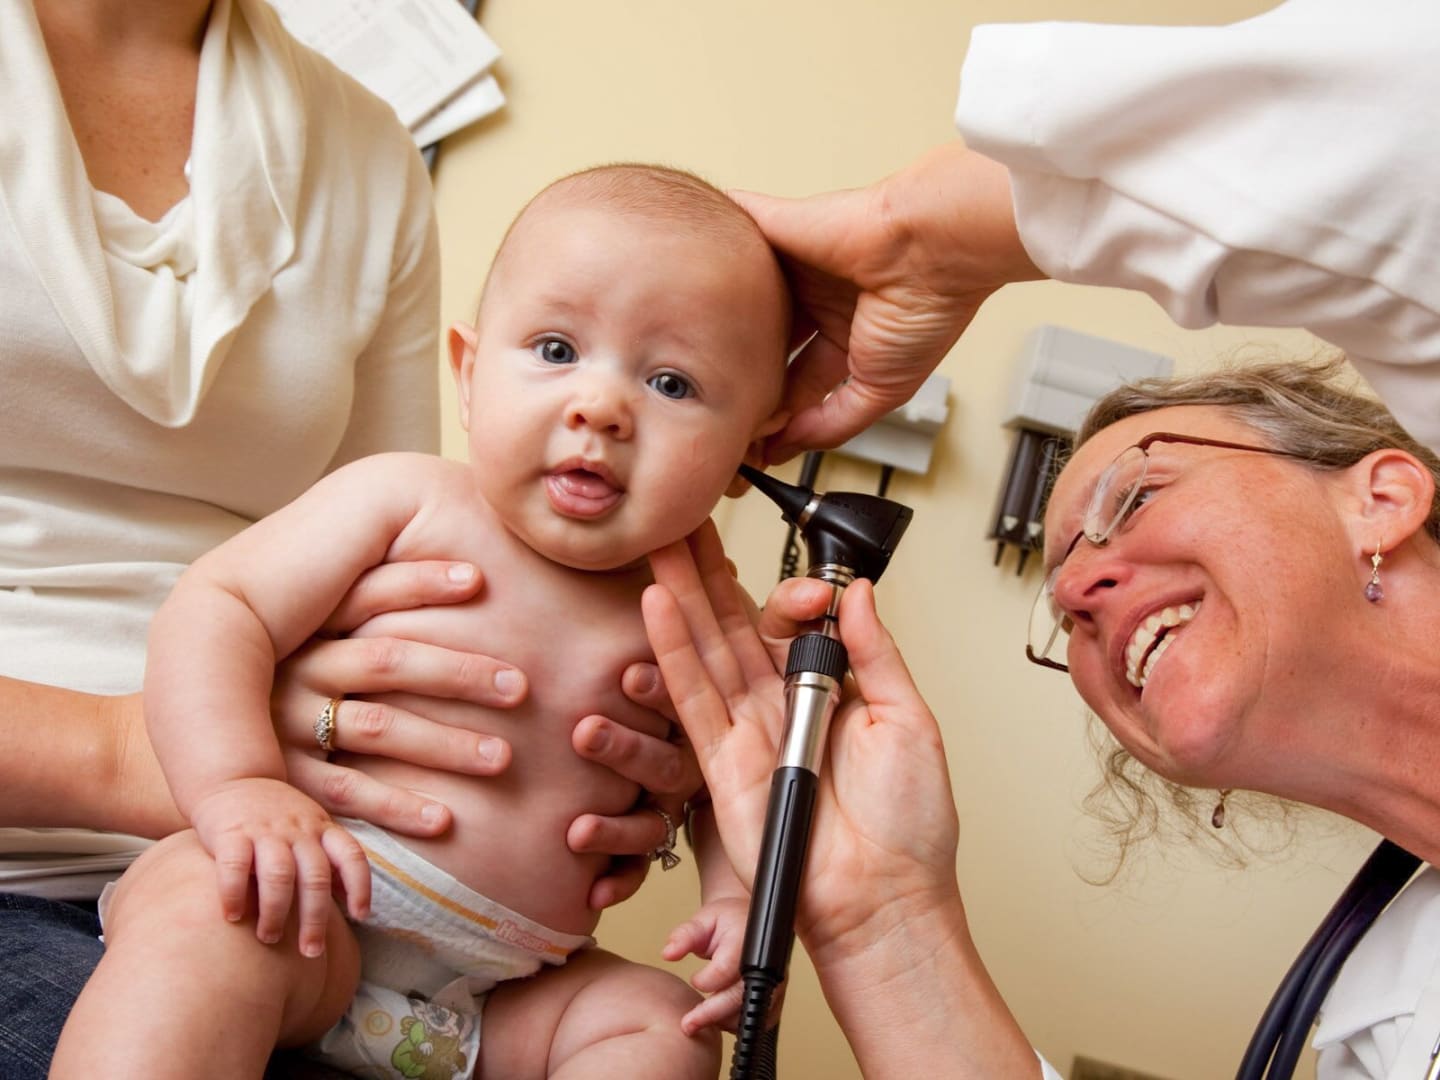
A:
(213, 649)
(716, 932)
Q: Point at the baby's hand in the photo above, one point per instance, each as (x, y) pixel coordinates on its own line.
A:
(716, 933)
(269, 830)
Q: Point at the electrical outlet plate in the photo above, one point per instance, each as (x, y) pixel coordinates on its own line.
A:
(905, 437)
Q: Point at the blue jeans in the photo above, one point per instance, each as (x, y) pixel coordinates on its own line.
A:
(47, 951)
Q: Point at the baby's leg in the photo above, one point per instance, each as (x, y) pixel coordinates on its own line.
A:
(183, 993)
(597, 1017)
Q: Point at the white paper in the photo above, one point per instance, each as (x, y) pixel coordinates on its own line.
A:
(471, 104)
(419, 55)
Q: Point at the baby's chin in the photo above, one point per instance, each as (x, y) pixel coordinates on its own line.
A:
(602, 560)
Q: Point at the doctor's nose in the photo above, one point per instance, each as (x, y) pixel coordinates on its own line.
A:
(602, 407)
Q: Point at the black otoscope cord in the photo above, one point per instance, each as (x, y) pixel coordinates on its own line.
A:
(1281, 1034)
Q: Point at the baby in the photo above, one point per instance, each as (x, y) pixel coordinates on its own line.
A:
(628, 354)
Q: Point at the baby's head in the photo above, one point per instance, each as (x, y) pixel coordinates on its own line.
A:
(628, 355)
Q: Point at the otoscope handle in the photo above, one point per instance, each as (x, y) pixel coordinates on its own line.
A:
(770, 929)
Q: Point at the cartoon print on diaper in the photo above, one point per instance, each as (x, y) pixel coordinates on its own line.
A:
(430, 1044)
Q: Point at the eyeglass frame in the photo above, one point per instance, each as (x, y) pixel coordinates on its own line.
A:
(1143, 446)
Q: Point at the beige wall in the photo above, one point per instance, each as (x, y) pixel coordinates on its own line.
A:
(1165, 971)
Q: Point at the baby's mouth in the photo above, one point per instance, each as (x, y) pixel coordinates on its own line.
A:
(1151, 638)
(580, 491)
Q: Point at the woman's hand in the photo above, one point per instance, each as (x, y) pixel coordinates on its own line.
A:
(665, 769)
(886, 277)
(354, 667)
(885, 818)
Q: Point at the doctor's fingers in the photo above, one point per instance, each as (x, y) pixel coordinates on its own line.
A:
(790, 605)
(400, 586)
(882, 678)
(687, 571)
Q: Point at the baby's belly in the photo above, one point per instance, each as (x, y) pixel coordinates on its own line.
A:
(508, 841)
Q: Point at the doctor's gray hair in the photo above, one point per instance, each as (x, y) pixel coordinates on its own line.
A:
(1303, 407)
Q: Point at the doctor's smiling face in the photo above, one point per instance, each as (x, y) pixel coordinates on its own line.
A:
(1192, 625)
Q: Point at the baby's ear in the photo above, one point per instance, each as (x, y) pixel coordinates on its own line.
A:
(462, 340)
(755, 452)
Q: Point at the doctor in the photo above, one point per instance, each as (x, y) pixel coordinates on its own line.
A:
(1196, 165)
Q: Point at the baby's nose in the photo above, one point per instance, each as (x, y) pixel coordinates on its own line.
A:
(601, 406)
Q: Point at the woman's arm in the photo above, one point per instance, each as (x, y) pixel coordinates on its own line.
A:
(69, 759)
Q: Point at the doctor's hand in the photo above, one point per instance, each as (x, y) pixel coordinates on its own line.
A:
(887, 277)
(885, 820)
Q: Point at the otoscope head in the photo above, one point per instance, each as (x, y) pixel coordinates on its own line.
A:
(847, 528)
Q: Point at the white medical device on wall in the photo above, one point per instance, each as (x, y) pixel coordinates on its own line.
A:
(1060, 374)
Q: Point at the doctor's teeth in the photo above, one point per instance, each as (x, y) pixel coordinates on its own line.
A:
(1144, 649)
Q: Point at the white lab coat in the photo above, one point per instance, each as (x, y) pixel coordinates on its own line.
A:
(1280, 171)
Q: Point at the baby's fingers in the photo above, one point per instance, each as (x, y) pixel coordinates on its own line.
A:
(312, 880)
(233, 857)
(718, 974)
(690, 937)
(274, 887)
(718, 1010)
(348, 858)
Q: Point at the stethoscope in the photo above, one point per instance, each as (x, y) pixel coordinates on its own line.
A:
(1285, 1025)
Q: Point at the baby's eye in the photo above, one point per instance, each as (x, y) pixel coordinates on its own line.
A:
(673, 386)
(555, 351)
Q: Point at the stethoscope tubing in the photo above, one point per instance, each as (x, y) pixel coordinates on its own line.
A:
(1280, 1036)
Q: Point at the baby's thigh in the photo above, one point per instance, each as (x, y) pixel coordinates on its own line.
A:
(163, 921)
(597, 1017)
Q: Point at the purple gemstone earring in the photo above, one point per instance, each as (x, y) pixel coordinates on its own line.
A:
(1373, 592)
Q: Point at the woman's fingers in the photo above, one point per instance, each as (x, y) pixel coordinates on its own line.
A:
(367, 727)
(642, 684)
(359, 666)
(347, 792)
(636, 833)
(657, 765)
(622, 882)
(399, 586)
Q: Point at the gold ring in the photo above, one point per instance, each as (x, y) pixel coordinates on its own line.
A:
(325, 724)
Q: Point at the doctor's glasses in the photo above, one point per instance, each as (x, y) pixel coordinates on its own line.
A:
(1118, 493)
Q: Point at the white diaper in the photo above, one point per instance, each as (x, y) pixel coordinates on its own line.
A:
(429, 947)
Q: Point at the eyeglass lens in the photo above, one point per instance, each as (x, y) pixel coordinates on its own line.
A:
(1110, 503)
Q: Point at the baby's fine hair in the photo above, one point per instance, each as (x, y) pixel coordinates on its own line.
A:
(1298, 406)
(661, 193)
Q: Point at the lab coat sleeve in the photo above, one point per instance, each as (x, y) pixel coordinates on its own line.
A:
(1047, 1071)
(1280, 171)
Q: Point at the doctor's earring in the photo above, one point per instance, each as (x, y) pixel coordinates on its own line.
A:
(1373, 592)
(1217, 817)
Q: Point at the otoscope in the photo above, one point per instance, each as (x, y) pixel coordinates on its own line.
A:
(847, 535)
